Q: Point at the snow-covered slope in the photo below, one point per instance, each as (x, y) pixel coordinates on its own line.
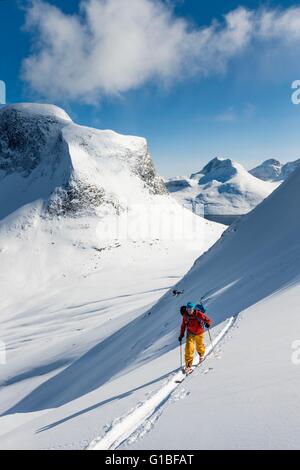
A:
(89, 240)
(245, 398)
(185, 191)
(249, 397)
(273, 170)
(222, 187)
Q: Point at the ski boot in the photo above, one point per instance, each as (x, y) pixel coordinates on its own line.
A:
(188, 370)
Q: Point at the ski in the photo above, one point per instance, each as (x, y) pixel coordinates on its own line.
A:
(186, 374)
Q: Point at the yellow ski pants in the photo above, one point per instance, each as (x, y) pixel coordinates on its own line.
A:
(190, 347)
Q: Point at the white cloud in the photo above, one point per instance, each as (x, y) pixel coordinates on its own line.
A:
(231, 115)
(227, 116)
(279, 24)
(112, 46)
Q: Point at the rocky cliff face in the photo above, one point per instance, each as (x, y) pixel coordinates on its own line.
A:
(28, 139)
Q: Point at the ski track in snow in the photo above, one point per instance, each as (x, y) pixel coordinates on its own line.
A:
(122, 428)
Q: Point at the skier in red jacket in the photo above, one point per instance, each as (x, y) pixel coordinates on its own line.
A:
(193, 320)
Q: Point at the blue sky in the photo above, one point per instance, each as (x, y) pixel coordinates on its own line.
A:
(242, 110)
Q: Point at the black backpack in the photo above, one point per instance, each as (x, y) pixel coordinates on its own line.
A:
(183, 310)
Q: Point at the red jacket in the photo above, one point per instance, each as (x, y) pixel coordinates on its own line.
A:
(194, 323)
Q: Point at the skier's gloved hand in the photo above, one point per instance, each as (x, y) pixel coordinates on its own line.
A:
(180, 339)
(207, 325)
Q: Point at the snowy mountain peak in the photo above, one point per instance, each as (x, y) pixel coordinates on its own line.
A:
(273, 170)
(269, 170)
(217, 163)
(39, 109)
(218, 169)
(222, 187)
(272, 161)
(46, 158)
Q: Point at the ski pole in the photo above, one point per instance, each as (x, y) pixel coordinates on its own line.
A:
(212, 346)
(181, 366)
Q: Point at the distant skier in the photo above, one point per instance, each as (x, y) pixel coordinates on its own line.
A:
(176, 293)
(193, 320)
